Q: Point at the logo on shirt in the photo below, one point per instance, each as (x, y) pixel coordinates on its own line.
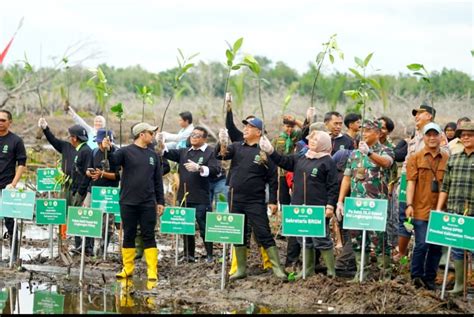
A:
(201, 159)
(341, 147)
(257, 159)
(5, 148)
(152, 161)
(314, 172)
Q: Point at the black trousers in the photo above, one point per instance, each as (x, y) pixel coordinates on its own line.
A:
(133, 215)
(255, 216)
(190, 240)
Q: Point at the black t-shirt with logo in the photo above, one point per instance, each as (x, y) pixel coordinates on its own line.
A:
(12, 152)
(196, 185)
(248, 175)
(142, 180)
(342, 142)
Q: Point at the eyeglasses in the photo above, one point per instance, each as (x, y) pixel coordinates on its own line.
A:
(196, 135)
(467, 135)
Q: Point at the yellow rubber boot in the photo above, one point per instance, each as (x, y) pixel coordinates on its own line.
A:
(265, 259)
(151, 258)
(233, 266)
(126, 289)
(128, 258)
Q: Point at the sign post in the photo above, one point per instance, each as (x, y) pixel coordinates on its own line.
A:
(48, 303)
(303, 221)
(451, 230)
(46, 182)
(17, 204)
(224, 228)
(364, 214)
(51, 212)
(178, 220)
(84, 222)
(107, 199)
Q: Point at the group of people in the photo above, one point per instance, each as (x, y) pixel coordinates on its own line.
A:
(308, 163)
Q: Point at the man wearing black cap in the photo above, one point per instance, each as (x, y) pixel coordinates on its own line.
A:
(12, 162)
(250, 172)
(101, 174)
(141, 198)
(80, 182)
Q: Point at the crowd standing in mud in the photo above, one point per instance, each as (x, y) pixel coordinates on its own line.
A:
(308, 163)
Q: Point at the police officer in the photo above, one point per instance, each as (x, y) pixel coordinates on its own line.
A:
(250, 171)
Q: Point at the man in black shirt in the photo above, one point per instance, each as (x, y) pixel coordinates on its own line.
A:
(103, 176)
(80, 182)
(333, 122)
(196, 164)
(141, 198)
(250, 171)
(12, 153)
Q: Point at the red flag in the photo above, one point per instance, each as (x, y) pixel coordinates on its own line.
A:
(5, 51)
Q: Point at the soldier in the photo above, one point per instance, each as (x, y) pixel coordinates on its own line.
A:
(367, 176)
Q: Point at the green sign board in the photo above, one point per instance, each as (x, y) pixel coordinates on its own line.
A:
(177, 220)
(106, 198)
(46, 180)
(304, 221)
(3, 299)
(82, 221)
(51, 211)
(117, 219)
(402, 193)
(224, 228)
(18, 204)
(365, 214)
(48, 303)
(451, 230)
(222, 207)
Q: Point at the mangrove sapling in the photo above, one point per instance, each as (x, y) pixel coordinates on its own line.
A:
(118, 110)
(183, 67)
(420, 71)
(289, 96)
(102, 94)
(230, 54)
(145, 94)
(329, 49)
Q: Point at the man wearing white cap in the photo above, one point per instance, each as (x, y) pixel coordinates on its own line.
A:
(141, 198)
(425, 172)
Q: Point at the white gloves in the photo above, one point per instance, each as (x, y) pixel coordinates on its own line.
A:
(42, 123)
(223, 135)
(192, 166)
(363, 147)
(160, 137)
(265, 145)
(310, 113)
(339, 211)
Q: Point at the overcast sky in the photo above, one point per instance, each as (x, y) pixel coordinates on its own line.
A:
(435, 33)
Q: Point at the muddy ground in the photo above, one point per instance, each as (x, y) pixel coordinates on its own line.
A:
(195, 287)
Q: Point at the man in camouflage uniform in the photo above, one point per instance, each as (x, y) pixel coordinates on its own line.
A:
(367, 176)
(285, 144)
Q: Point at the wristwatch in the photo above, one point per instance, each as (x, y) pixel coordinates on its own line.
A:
(370, 152)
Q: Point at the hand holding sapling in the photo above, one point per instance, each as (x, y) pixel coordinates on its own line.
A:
(265, 145)
(42, 123)
(191, 166)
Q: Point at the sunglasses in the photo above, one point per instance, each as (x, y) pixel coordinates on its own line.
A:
(196, 135)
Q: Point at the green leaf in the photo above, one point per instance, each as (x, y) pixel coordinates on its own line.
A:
(356, 73)
(118, 108)
(415, 67)
(28, 67)
(418, 74)
(101, 75)
(341, 55)
(354, 94)
(230, 57)
(235, 67)
(181, 53)
(472, 53)
(266, 82)
(319, 58)
(426, 79)
(287, 100)
(237, 45)
(374, 83)
(179, 62)
(359, 62)
(331, 58)
(367, 59)
(192, 56)
(187, 67)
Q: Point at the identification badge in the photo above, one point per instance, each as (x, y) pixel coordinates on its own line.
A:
(434, 186)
